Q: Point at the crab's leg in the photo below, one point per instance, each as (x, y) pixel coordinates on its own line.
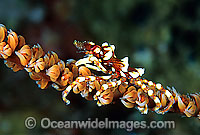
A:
(151, 94)
(105, 87)
(170, 104)
(91, 59)
(80, 79)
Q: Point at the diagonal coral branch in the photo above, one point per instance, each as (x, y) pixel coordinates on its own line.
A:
(99, 76)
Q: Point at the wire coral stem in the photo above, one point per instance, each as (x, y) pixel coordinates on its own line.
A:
(118, 81)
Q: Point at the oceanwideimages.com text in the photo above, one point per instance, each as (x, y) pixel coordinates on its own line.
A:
(47, 123)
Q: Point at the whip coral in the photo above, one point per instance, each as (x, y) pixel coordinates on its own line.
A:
(98, 76)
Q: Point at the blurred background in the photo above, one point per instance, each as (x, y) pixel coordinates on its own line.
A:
(162, 36)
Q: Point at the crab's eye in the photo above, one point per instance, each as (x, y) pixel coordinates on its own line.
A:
(91, 43)
(105, 44)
